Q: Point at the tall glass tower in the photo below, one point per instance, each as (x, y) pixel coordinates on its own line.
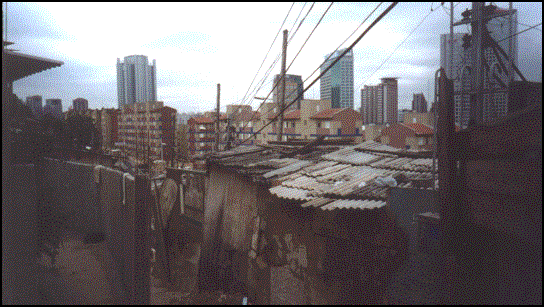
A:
(337, 84)
(136, 80)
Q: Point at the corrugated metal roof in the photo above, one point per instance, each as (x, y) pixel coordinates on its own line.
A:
(317, 202)
(293, 167)
(354, 204)
(371, 146)
(290, 193)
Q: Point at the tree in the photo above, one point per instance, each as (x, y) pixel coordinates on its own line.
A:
(81, 131)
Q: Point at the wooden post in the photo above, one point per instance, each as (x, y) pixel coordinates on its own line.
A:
(217, 118)
(446, 158)
(142, 246)
(282, 103)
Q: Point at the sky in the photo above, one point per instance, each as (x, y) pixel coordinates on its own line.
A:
(198, 45)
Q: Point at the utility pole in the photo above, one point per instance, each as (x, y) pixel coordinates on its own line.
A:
(282, 104)
(510, 46)
(477, 99)
(451, 43)
(217, 118)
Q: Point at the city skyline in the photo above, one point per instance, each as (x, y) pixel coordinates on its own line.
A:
(195, 55)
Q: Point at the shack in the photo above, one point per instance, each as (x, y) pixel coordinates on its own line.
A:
(310, 225)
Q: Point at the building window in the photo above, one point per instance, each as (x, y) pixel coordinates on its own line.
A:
(421, 141)
(327, 125)
(317, 108)
(318, 124)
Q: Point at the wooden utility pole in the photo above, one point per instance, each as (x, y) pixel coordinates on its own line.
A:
(282, 103)
(217, 118)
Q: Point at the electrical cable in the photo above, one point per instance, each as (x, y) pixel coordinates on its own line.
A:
(383, 14)
(308, 37)
(285, 19)
(392, 53)
(369, 15)
(519, 32)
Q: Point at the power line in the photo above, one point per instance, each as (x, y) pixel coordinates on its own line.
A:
(290, 94)
(519, 32)
(521, 24)
(301, 22)
(247, 98)
(329, 67)
(309, 37)
(410, 34)
(285, 19)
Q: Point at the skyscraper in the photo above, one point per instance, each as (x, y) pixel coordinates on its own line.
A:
(379, 103)
(419, 104)
(495, 105)
(293, 88)
(136, 80)
(54, 107)
(35, 105)
(337, 84)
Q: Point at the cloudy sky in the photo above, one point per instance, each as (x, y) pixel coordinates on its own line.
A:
(198, 45)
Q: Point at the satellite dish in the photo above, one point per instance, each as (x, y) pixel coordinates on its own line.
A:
(167, 198)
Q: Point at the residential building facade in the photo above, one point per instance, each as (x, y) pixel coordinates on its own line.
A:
(294, 88)
(407, 136)
(419, 103)
(144, 127)
(201, 132)
(379, 103)
(109, 128)
(136, 80)
(80, 105)
(336, 85)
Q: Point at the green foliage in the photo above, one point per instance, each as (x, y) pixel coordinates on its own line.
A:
(81, 131)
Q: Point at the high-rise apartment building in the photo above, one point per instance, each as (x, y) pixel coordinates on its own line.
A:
(136, 80)
(293, 89)
(495, 105)
(419, 103)
(35, 105)
(379, 103)
(144, 127)
(80, 105)
(53, 107)
(337, 84)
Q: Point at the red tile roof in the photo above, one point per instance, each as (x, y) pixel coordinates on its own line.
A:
(420, 128)
(202, 120)
(294, 114)
(327, 114)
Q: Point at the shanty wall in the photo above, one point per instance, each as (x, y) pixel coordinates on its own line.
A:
(280, 253)
(231, 206)
(104, 207)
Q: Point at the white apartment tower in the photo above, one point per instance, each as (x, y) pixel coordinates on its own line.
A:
(337, 84)
(379, 103)
(136, 80)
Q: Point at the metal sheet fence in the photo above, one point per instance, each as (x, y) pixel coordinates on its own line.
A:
(117, 204)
